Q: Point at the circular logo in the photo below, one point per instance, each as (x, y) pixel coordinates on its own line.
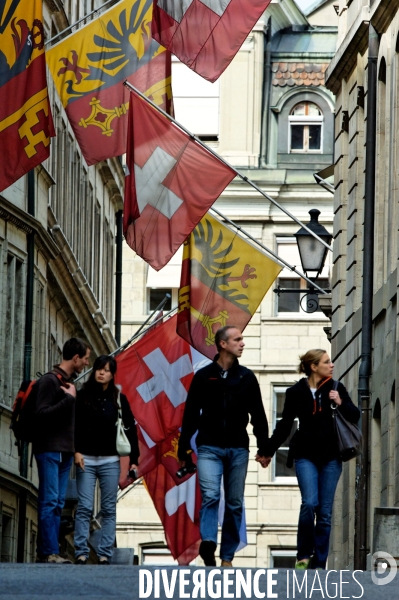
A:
(383, 568)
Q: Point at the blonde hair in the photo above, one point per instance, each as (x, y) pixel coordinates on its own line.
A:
(312, 357)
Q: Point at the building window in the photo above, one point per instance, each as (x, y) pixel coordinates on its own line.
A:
(284, 558)
(165, 281)
(7, 539)
(288, 303)
(280, 468)
(306, 128)
(12, 327)
(156, 295)
(196, 102)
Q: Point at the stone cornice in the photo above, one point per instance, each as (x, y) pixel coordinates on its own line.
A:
(28, 224)
(382, 14)
(354, 43)
(106, 170)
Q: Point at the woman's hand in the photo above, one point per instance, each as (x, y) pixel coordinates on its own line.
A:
(263, 460)
(335, 397)
(79, 460)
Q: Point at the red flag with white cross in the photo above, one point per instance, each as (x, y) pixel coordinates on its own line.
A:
(171, 183)
(205, 34)
(155, 374)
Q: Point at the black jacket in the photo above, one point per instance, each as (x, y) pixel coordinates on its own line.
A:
(54, 415)
(315, 439)
(225, 405)
(95, 425)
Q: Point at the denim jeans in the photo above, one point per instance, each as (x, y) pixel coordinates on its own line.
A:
(53, 469)
(108, 477)
(317, 484)
(232, 463)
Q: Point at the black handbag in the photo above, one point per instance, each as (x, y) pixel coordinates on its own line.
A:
(349, 437)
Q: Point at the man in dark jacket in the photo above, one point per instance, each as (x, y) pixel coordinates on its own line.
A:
(221, 397)
(54, 444)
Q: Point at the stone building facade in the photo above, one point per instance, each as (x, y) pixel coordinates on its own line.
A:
(364, 77)
(74, 227)
(271, 116)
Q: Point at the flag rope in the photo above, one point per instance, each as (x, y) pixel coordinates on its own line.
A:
(243, 177)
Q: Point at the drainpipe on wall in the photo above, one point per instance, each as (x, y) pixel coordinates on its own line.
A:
(30, 275)
(361, 548)
(118, 278)
(267, 72)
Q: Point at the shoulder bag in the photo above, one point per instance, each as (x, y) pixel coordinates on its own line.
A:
(123, 447)
(348, 435)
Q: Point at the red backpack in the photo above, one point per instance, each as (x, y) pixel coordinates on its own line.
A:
(23, 418)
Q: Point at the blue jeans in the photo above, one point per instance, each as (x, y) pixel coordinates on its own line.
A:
(232, 463)
(53, 469)
(108, 477)
(317, 484)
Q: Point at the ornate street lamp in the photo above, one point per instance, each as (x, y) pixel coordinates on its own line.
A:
(313, 256)
(311, 251)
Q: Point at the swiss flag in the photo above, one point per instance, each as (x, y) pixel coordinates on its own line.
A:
(155, 374)
(178, 508)
(171, 183)
(205, 34)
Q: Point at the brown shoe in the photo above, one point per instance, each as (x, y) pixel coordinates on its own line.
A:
(226, 563)
(57, 559)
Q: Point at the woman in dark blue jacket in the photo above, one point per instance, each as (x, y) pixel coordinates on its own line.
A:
(96, 456)
(315, 452)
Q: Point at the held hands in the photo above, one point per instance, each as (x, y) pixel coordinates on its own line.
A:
(263, 460)
(335, 397)
(79, 460)
(69, 388)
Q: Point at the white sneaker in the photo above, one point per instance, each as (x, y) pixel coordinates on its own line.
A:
(57, 559)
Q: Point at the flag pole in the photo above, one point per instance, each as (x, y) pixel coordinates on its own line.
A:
(243, 177)
(94, 13)
(139, 332)
(277, 258)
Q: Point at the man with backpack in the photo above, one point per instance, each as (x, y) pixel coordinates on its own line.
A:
(53, 445)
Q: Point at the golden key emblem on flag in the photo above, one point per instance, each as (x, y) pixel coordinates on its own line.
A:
(38, 102)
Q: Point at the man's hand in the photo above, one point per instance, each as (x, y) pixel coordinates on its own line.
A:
(69, 388)
(263, 460)
(79, 460)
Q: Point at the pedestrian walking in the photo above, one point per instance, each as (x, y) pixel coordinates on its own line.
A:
(96, 456)
(314, 449)
(221, 399)
(54, 444)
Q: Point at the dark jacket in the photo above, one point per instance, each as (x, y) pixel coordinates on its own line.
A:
(54, 415)
(226, 405)
(95, 425)
(315, 439)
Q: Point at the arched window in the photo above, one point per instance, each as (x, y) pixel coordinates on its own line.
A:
(306, 128)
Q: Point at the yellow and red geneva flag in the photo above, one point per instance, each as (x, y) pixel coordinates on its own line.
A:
(224, 279)
(25, 118)
(89, 67)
